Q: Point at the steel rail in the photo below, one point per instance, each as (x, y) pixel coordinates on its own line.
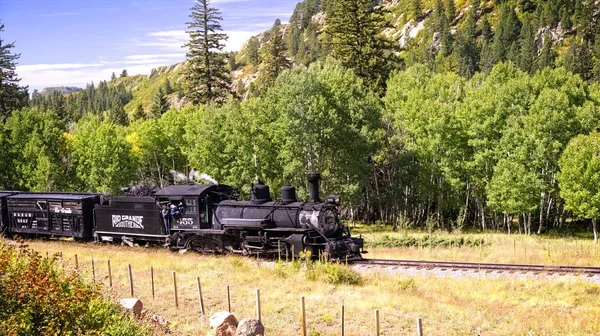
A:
(452, 265)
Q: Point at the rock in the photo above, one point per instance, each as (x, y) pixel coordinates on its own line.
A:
(157, 319)
(132, 304)
(223, 323)
(250, 327)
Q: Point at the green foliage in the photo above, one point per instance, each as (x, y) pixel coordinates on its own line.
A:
(35, 150)
(334, 274)
(580, 175)
(274, 58)
(102, 156)
(429, 241)
(38, 299)
(207, 78)
(160, 104)
(12, 96)
(355, 27)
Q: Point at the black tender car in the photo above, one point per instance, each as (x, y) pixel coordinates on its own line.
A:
(56, 214)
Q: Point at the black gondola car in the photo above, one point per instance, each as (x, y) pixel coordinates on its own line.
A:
(4, 210)
(129, 219)
(57, 214)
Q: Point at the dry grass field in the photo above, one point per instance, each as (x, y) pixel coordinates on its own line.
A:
(446, 306)
(496, 248)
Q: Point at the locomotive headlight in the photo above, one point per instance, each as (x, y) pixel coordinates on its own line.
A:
(334, 199)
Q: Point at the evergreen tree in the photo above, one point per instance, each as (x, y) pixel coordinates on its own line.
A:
(207, 77)
(252, 51)
(12, 96)
(123, 73)
(113, 77)
(527, 48)
(486, 30)
(439, 16)
(578, 59)
(356, 29)
(507, 34)
(450, 11)
(415, 8)
(467, 55)
(168, 88)
(117, 115)
(547, 55)
(160, 105)
(139, 112)
(275, 60)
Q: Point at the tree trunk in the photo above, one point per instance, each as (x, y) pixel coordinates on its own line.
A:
(541, 224)
(595, 228)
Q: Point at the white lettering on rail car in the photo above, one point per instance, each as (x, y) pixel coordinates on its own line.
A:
(128, 222)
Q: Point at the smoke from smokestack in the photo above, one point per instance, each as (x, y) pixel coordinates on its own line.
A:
(203, 177)
(178, 177)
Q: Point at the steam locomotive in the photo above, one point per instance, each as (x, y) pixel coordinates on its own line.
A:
(203, 218)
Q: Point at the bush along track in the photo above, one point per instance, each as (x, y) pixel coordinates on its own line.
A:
(38, 297)
(425, 241)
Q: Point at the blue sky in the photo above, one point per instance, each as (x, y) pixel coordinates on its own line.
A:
(73, 42)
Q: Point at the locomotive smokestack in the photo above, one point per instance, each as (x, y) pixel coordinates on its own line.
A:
(313, 186)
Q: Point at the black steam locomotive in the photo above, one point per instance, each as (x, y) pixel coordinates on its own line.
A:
(203, 218)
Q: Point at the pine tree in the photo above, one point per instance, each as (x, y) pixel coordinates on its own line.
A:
(450, 11)
(123, 73)
(415, 9)
(527, 48)
(355, 27)
(547, 55)
(160, 105)
(507, 34)
(207, 76)
(467, 55)
(113, 77)
(12, 96)
(486, 30)
(118, 115)
(252, 51)
(139, 112)
(275, 60)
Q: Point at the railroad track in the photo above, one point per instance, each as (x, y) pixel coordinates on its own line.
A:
(486, 267)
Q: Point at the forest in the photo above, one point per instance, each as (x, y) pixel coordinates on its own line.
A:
(487, 119)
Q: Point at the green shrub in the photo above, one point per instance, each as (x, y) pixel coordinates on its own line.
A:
(334, 274)
(37, 298)
(425, 241)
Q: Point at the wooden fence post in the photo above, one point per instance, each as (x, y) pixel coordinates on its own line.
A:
(130, 280)
(303, 318)
(200, 296)
(109, 273)
(152, 280)
(76, 263)
(258, 317)
(93, 271)
(377, 322)
(228, 300)
(342, 318)
(419, 327)
(175, 290)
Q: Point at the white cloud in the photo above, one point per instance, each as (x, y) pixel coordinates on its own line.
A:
(174, 39)
(64, 66)
(154, 56)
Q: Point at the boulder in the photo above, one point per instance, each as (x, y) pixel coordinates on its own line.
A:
(250, 327)
(132, 304)
(223, 323)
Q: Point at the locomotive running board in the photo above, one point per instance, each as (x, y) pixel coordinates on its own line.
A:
(130, 234)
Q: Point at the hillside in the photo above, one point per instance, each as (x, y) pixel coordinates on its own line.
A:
(462, 36)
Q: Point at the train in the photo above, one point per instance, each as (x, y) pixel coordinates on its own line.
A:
(198, 217)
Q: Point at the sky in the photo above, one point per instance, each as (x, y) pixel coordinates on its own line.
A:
(74, 42)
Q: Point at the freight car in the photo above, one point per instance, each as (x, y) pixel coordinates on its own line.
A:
(203, 218)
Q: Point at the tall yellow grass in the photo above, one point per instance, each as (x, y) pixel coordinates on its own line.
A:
(447, 306)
